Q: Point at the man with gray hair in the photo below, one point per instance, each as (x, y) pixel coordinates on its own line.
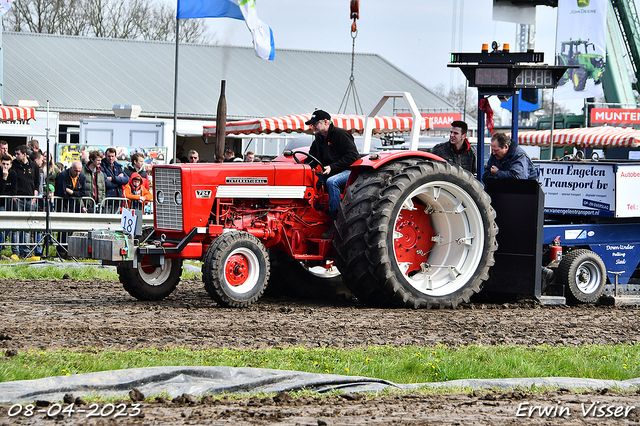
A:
(193, 156)
(508, 160)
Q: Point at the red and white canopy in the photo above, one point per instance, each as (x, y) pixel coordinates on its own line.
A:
(295, 123)
(8, 113)
(587, 137)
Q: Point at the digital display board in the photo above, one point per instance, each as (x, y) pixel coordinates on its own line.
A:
(492, 76)
(539, 78)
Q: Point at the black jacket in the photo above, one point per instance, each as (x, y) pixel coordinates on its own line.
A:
(8, 187)
(28, 176)
(63, 181)
(114, 188)
(515, 165)
(466, 158)
(338, 150)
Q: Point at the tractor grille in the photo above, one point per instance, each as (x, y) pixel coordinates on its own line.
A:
(168, 213)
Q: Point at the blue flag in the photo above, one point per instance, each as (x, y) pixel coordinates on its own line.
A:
(245, 10)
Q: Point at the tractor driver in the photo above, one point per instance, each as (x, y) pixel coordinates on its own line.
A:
(335, 148)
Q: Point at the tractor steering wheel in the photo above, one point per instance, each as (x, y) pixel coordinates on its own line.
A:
(293, 154)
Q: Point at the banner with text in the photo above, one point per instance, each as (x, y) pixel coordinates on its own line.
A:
(578, 189)
(582, 43)
(438, 119)
(627, 194)
(615, 116)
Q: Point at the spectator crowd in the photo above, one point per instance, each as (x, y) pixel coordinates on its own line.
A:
(30, 181)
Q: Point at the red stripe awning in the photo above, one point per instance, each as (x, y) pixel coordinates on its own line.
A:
(295, 123)
(587, 137)
(8, 113)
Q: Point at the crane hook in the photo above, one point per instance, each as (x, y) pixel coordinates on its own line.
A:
(355, 14)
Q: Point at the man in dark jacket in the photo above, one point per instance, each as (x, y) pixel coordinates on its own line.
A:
(70, 186)
(508, 160)
(28, 179)
(458, 150)
(114, 178)
(335, 148)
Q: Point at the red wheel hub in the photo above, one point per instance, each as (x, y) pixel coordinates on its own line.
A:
(416, 240)
(236, 271)
(145, 266)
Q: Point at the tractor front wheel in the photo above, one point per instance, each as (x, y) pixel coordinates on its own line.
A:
(416, 234)
(236, 269)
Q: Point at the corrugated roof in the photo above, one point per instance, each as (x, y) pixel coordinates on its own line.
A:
(80, 74)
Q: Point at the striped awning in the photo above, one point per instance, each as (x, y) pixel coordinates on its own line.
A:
(8, 113)
(587, 137)
(295, 123)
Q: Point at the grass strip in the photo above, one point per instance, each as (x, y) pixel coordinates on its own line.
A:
(21, 271)
(409, 364)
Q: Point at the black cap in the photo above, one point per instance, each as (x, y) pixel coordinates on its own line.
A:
(317, 116)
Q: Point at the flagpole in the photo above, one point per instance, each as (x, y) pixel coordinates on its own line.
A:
(175, 95)
(553, 92)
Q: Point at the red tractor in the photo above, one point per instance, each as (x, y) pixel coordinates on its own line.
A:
(412, 230)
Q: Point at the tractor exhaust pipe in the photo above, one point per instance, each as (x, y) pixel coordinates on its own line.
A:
(221, 123)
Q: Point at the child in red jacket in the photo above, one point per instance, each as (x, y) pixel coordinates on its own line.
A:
(136, 192)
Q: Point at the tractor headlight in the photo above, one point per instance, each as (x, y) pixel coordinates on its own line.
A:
(160, 197)
(177, 198)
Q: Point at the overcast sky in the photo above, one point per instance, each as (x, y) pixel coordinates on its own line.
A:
(417, 36)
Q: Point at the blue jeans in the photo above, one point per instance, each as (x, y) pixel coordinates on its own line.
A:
(3, 235)
(22, 237)
(335, 185)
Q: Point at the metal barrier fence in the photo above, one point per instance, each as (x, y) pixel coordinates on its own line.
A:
(26, 214)
(25, 203)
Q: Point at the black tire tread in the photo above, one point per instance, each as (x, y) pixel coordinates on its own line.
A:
(581, 75)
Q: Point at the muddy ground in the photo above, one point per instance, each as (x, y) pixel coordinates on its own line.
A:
(72, 314)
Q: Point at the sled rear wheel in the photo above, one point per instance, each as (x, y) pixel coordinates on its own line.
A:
(583, 274)
(147, 282)
(416, 234)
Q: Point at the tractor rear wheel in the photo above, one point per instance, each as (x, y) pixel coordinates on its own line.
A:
(580, 79)
(236, 269)
(416, 234)
(583, 274)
